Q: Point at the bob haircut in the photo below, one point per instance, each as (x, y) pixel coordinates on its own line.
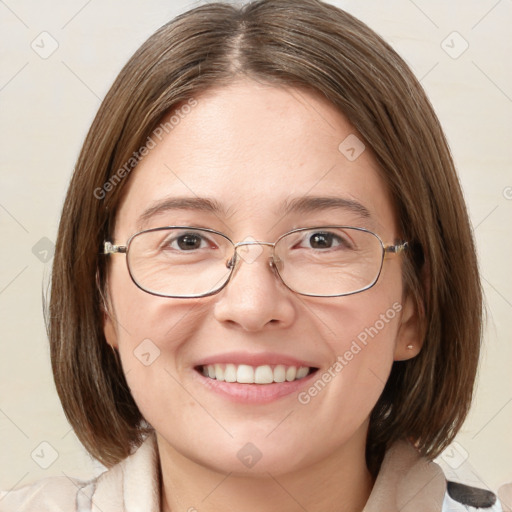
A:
(315, 46)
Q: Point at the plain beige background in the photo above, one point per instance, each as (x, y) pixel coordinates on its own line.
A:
(58, 61)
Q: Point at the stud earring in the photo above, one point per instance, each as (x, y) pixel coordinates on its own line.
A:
(410, 347)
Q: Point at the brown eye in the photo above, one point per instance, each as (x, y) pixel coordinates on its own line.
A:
(187, 242)
(321, 240)
(327, 240)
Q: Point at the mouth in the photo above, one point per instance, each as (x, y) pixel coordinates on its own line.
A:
(253, 378)
(260, 375)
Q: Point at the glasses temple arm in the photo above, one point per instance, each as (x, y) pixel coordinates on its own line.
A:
(396, 249)
(110, 248)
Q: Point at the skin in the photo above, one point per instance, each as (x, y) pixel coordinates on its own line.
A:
(250, 147)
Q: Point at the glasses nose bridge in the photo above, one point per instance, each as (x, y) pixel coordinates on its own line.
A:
(253, 242)
(271, 258)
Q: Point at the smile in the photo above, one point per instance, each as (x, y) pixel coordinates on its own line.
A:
(246, 374)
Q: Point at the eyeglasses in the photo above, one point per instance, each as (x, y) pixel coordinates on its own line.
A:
(190, 262)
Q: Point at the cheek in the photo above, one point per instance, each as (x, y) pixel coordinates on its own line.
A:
(152, 341)
(141, 316)
(363, 326)
(153, 335)
(362, 336)
(366, 358)
(151, 327)
(147, 329)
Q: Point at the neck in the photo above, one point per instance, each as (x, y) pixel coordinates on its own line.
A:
(339, 482)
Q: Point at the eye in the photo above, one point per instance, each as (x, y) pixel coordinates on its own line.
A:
(327, 240)
(187, 242)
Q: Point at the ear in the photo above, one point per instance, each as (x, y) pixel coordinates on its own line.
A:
(109, 329)
(409, 339)
(107, 311)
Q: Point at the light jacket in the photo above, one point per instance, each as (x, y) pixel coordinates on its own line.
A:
(406, 483)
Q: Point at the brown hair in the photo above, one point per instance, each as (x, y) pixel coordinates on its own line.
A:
(302, 43)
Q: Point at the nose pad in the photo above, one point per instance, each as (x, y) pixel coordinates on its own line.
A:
(276, 263)
(232, 261)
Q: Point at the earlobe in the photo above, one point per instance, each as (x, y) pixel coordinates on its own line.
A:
(409, 339)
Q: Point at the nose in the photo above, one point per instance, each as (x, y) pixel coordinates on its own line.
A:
(255, 298)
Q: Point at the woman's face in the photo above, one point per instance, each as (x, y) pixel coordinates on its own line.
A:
(252, 149)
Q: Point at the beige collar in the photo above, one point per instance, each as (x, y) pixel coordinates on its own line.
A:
(406, 483)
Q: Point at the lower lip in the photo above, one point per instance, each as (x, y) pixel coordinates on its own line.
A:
(254, 393)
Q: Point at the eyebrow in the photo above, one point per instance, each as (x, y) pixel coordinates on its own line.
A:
(301, 205)
(181, 203)
(308, 204)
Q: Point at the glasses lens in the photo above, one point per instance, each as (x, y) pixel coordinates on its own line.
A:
(329, 261)
(179, 262)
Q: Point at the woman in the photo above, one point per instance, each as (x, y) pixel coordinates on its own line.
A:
(297, 322)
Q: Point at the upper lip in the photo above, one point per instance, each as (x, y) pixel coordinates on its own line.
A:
(255, 359)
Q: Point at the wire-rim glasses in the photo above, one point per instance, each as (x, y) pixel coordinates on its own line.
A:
(192, 262)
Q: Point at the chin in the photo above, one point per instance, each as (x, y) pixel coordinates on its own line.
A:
(246, 454)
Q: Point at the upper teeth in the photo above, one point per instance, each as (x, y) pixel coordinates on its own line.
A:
(245, 374)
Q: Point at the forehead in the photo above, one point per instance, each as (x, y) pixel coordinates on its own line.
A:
(246, 154)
